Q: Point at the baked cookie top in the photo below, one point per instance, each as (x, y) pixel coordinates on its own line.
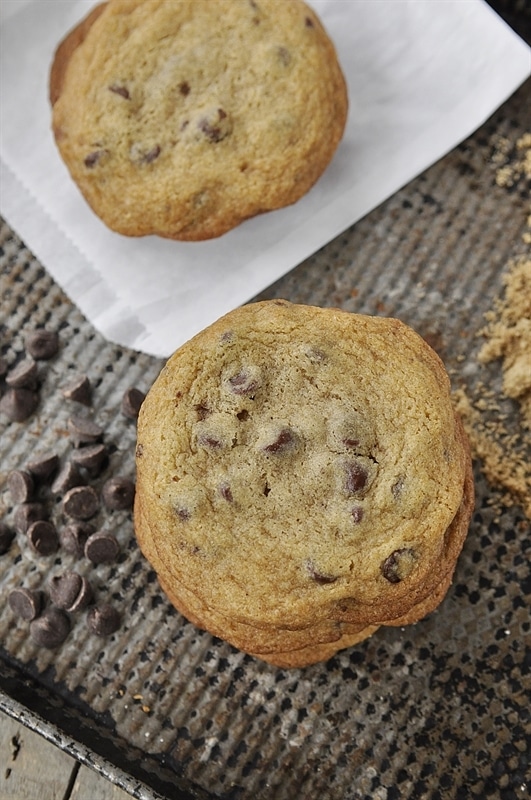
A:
(294, 462)
(185, 118)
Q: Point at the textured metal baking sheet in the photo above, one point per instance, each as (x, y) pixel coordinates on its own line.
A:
(439, 709)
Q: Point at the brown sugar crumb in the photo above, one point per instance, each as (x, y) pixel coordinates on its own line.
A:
(514, 160)
(504, 453)
(508, 334)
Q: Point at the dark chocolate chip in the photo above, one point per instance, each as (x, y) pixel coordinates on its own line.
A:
(103, 620)
(308, 22)
(357, 514)
(101, 547)
(118, 493)
(73, 537)
(42, 536)
(70, 591)
(68, 477)
(356, 477)
(284, 55)
(283, 442)
(42, 344)
(28, 513)
(226, 493)
(24, 375)
(43, 467)
(19, 404)
(398, 565)
(398, 486)
(151, 154)
(94, 158)
(184, 88)
(244, 382)
(91, 458)
(123, 91)
(81, 502)
(202, 412)
(26, 603)
(209, 442)
(131, 402)
(215, 125)
(79, 389)
(318, 576)
(21, 486)
(51, 628)
(7, 535)
(84, 430)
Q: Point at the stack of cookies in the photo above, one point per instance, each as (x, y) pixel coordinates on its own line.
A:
(183, 119)
(302, 479)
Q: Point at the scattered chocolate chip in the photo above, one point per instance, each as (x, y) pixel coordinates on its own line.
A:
(42, 536)
(84, 430)
(103, 620)
(68, 477)
(26, 514)
(79, 389)
(43, 467)
(21, 486)
(42, 344)
(398, 565)
(308, 22)
(283, 442)
(24, 375)
(243, 415)
(123, 91)
(142, 155)
(19, 404)
(51, 628)
(215, 125)
(131, 401)
(118, 493)
(70, 591)
(7, 535)
(318, 576)
(184, 88)
(26, 603)
(357, 514)
(91, 458)
(73, 537)
(356, 477)
(139, 450)
(81, 502)
(101, 547)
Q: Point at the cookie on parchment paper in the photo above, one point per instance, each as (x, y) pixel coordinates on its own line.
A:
(302, 479)
(183, 119)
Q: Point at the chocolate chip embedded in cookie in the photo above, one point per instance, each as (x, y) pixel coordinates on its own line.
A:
(212, 113)
(288, 503)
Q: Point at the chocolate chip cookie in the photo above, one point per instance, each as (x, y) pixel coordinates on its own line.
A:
(184, 119)
(302, 478)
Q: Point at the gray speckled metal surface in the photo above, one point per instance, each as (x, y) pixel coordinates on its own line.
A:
(439, 709)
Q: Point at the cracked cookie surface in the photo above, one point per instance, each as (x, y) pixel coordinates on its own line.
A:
(184, 119)
(281, 491)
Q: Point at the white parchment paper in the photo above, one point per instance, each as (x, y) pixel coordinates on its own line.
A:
(422, 75)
